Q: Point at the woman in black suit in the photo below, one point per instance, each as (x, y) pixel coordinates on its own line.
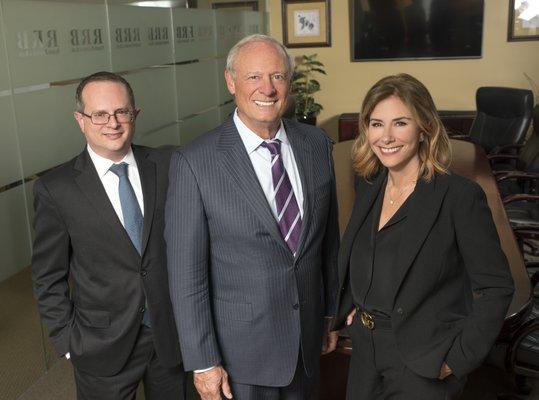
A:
(424, 283)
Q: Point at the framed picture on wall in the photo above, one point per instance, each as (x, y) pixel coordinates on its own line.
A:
(523, 20)
(306, 23)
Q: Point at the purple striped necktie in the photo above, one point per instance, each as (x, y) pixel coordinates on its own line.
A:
(289, 217)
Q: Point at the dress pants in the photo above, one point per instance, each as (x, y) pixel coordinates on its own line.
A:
(160, 383)
(377, 371)
(301, 387)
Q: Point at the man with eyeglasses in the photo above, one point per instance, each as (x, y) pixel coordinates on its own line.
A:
(99, 262)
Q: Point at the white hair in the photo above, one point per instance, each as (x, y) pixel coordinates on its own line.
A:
(257, 38)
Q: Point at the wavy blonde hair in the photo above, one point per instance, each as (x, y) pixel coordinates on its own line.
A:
(434, 150)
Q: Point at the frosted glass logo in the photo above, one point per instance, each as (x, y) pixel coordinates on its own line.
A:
(86, 40)
(185, 34)
(157, 35)
(127, 37)
(229, 30)
(37, 42)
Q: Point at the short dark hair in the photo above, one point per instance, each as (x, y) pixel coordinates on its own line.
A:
(102, 76)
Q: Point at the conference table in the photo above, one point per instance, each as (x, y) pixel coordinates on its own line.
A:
(468, 160)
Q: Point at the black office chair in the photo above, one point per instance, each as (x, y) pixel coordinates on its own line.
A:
(522, 351)
(519, 186)
(503, 117)
(526, 158)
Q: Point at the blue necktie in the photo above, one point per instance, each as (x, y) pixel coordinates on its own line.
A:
(133, 219)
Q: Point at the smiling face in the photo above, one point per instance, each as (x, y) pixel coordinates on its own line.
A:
(113, 139)
(394, 136)
(260, 85)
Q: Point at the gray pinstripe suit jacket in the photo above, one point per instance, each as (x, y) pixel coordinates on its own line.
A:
(240, 298)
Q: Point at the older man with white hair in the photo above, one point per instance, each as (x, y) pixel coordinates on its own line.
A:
(252, 237)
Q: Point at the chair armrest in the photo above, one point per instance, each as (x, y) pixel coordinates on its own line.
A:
(527, 231)
(520, 197)
(499, 173)
(517, 175)
(492, 157)
(466, 138)
(496, 158)
(524, 330)
(505, 147)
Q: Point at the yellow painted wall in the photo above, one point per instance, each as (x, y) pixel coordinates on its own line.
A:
(452, 83)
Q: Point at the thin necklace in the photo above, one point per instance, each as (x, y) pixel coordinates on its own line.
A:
(392, 200)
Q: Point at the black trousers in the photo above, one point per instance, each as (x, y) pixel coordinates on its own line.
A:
(377, 371)
(160, 383)
(301, 387)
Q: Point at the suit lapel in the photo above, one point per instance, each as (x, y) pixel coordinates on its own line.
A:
(365, 197)
(89, 183)
(237, 164)
(148, 178)
(303, 157)
(422, 214)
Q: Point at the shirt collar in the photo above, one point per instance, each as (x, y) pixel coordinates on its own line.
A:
(251, 140)
(103, 164)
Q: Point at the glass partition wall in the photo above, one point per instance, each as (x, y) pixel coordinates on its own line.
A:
(173, 57)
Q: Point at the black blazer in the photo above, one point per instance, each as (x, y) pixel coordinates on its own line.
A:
(89, 280)
(454, 283)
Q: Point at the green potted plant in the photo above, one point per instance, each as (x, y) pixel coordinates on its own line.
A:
(304, 86)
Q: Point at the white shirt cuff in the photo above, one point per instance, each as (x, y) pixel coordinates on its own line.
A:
(199, 371)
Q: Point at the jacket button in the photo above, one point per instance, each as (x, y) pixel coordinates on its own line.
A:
(141, 309)
(296, 306)
(400, 311)
(143, 272)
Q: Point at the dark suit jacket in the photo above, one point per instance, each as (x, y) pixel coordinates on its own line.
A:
(454, 283)
(89, 280)
(240, 297)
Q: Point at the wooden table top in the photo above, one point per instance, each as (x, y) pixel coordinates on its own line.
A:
(470, 161)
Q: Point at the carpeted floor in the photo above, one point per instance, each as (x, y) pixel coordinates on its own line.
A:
(22, 360)
(57, 384)
(24, 356)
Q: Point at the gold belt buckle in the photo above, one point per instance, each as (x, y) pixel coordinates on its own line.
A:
(367, 320)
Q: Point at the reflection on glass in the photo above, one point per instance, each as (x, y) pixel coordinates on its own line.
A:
(197, 87)
(193, 127)
(155, 95)
(51, 135)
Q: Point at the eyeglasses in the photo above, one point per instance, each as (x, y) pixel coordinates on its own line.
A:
(103, 118)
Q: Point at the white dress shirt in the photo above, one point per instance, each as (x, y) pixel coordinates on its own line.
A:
(261, 160)
(110, 182)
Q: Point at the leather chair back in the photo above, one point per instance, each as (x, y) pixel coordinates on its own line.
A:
(503, 116)
(529, 154)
